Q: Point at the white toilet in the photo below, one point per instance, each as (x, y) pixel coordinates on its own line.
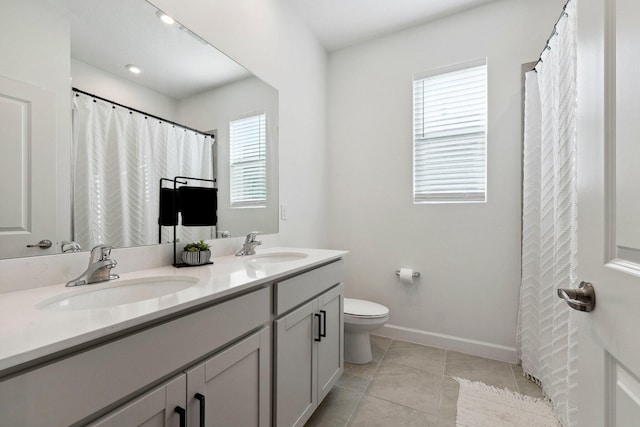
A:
(361, 317)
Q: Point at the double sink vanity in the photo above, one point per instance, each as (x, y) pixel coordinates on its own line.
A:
(247, 341)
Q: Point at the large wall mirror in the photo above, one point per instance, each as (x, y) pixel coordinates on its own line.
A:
(625, 215)
(100, 103)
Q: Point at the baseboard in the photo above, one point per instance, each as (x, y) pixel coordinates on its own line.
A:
(450, 342)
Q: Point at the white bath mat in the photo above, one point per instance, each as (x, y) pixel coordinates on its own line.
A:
(481, 405)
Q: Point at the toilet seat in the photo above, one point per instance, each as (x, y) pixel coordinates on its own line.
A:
(362, 309)
(360, 318)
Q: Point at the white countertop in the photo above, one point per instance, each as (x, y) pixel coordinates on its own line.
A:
(28, 333)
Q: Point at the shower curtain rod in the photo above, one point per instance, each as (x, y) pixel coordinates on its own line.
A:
(141, 112)
(553, 33)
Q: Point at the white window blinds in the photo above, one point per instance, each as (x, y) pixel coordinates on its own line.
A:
(449, 134)
(248, 161)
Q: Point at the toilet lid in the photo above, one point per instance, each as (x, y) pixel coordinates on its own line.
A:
(362, 308)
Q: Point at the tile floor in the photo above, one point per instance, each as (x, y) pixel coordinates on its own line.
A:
(410, 385)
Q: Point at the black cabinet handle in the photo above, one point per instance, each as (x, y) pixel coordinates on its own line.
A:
(324, 323)
(200, 397)
(183, 416)
(319, 337)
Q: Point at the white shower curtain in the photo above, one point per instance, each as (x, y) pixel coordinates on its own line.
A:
(546, 329)
(120, 157)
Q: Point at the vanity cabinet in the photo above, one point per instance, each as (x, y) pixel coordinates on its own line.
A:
(156, 408)
(105, 377)
(265, 357)
(309, 344)
(233, 388)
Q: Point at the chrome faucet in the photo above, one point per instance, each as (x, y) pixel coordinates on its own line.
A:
(99, 269)
(249, 245)
(70, 246)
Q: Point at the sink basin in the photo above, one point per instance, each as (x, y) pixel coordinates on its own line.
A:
(277, 257)
(111, 294)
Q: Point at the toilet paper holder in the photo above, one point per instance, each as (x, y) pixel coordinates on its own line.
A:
(415, 273)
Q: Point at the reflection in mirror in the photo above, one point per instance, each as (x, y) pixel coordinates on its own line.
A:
(626, 217)
(206, 116)
(125, 161)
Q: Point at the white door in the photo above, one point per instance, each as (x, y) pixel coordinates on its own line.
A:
(27, 169)
(609, 211)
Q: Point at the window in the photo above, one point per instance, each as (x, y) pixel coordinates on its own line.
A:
(248, 161)
(449, 134)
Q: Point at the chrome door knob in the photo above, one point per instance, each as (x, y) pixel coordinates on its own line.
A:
(42, 244)
(581, 299)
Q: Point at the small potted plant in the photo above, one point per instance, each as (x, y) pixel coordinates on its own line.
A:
(196, 253)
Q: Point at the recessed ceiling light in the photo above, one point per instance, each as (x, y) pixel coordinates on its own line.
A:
(133, 68)
(165, 18)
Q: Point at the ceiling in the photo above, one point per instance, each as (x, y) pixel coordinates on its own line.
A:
(175, 62)
(341, 23)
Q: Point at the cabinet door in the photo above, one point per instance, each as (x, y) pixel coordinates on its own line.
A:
(331, 346)
(153, 409)
(233, 388)
(296, 389)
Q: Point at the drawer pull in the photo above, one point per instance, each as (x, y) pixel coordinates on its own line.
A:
(200, 397)
(319, 337)
(183, 416)
(324, 323)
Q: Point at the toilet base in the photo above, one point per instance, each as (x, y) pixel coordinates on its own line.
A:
(357, 347)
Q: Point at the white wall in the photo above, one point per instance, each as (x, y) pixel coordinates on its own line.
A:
(468, 254)
(91, 79)
(215, 109)
(267, 37)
